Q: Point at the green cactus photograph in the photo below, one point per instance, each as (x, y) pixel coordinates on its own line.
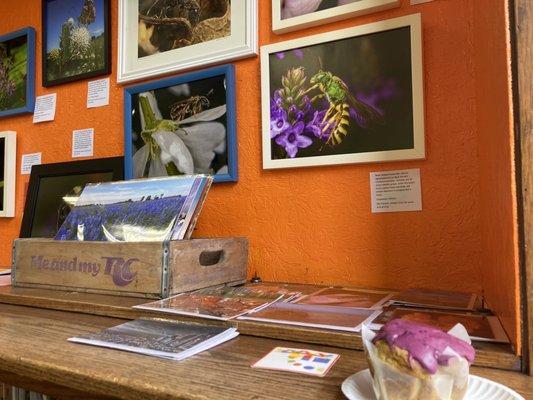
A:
(76, 38)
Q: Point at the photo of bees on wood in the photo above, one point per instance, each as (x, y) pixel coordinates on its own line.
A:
(166, 25)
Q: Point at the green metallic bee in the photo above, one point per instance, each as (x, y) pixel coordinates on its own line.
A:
(340, 100)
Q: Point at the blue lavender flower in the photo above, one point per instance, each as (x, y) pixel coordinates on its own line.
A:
(293, 139)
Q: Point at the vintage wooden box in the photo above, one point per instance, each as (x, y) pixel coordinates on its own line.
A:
(143, 269)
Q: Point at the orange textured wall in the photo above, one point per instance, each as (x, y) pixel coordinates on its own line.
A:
(315, 225)
(496, 161)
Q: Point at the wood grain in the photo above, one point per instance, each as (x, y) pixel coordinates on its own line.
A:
(488, 354)
(33, 344)
(523, 69)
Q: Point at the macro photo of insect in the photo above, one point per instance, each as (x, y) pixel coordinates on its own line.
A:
(181, 129)
(343, 97)
(171, 24)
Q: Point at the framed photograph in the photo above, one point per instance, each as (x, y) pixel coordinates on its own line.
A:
(290, 15)
(17, 72)
(55, 188)
(162, 36)
(8, 164)
(182, 125)
(348, 96)
(76, 41)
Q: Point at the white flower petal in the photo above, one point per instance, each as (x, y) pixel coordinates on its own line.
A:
(157, 168)
(180, 90)
(173, 149)
(202, 139)
(207, 115)
(140, 158)
(224, 170)
(153, 103)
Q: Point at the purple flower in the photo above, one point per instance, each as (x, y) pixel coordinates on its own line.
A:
(280, 55)
(299, 53)
(295, 114)
(278, 122)
(293, 139)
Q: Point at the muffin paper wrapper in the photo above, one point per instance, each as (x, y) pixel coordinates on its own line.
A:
(448, 383)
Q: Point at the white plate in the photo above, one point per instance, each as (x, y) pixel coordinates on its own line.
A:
(359, 387)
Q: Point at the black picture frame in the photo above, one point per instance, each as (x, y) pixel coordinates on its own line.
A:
(113, 165)
(106, 70)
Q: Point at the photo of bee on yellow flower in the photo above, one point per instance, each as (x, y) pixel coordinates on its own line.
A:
(76, 39)
(348, 96)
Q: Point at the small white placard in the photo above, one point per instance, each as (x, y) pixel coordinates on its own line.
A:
(393, 191)
(98, 93)
(45, 108)
(82, 143)
(28, 160)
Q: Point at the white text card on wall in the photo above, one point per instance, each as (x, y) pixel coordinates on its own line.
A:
(45, 108)
(98, 93)
(82, 143)
(28, 160)
(393, 191)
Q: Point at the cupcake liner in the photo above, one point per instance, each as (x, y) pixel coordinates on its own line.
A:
(448, 383)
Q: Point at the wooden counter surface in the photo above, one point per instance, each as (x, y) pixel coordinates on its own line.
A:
(33, 348)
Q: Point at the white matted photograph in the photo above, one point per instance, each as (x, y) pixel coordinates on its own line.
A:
(291, 15)
(348, 96)
(8, 161)
(161, 36)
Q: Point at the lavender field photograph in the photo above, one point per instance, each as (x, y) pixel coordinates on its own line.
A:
(138, 210)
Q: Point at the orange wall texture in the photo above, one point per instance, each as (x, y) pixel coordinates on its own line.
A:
(315, 225)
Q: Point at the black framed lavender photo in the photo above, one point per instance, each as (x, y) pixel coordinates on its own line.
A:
(348, 96)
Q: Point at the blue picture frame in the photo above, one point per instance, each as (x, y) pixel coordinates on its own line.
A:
(228, 71)
(29, 33)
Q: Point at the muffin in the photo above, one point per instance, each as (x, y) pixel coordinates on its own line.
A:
(412, 361)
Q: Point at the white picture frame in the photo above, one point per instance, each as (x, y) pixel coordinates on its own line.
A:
(332, 14)
(241, 43)
(417, 152)
(7, 206)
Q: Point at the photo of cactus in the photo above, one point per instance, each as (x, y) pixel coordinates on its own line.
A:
(13, 73)
(171, 24)
(75, 38)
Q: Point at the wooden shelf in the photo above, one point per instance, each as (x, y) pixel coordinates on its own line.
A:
(34, 353)
(487, 354)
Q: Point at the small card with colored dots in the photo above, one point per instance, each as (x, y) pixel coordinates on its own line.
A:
(298, 360)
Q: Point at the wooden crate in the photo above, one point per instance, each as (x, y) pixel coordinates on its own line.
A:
(144, 269)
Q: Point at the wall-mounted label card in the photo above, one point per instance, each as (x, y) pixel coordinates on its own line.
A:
(393, 191)
(28, 160)
(298, 360)
(98, 93)
(45, 108)
(82, 143)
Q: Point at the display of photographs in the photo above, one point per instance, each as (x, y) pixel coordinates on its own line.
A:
(165, 339)
(290, 15)
(346, 297)
(54, 189)
(182, 125)
(17, 72)
(220, 303)
(8, 157)
(134, 211)
(348, 96)
(437, 299)
(162, 36)
(76, 42)
(335, 318)
(479, 327)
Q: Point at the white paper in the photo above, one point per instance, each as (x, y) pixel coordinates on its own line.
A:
(393, 191)
(98, 93)
(82, 143)
(28, 160)
(45, 108)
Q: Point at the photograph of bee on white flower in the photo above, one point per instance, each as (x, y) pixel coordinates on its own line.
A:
(76, 42)
(352, 98)
(182, 125)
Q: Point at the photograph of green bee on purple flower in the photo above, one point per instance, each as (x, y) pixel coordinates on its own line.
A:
(356, 97)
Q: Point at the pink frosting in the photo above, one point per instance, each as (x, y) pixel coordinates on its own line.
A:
(424, 343)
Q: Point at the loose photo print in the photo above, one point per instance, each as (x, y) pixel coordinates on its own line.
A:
(346, 297)
(183, 125)
(344, 97)
(75, 40)
(166, 25)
